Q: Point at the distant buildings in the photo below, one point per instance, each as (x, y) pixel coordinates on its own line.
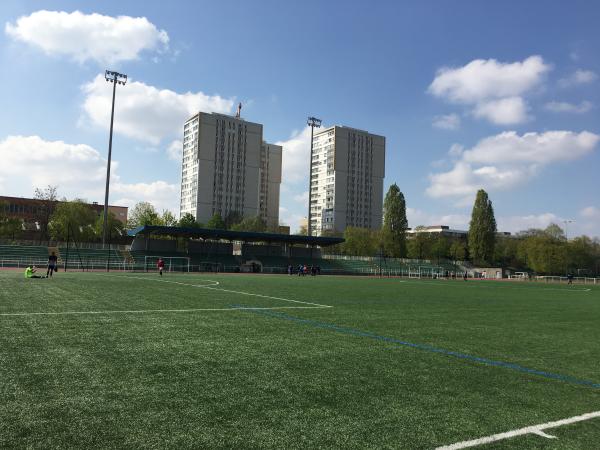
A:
(346, 180)
(445, 230)
(30, 209)
(228, 169)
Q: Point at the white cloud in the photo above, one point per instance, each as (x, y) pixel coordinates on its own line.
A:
(456, 150)
(296, 156)
(515, 224)
(481, 80)
(494, 89)
(505, 111)
(591, 212)
(144, 112)
(447, 122)
(78, 170)
(175, 150)
(161, 194)
(564, 107)
(578, 77)
(83, 37)
(506, 160)
(302, 199)
(294, 179)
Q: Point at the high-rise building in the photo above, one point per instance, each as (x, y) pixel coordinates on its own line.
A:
(346, 180)
(270, 181)
(227, 169)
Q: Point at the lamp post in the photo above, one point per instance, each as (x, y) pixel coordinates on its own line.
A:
(114, 78)
(567, 222)
(313, 123)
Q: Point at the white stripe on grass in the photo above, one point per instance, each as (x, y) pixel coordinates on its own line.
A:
(144, 311)
(535, 429)
(216, 283)
(476, 284)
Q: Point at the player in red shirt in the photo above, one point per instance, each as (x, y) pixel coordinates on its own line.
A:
(161, 265)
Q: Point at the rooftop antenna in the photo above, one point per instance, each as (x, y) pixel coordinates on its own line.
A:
(239, 111)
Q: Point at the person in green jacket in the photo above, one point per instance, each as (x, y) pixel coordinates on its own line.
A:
(30, 272)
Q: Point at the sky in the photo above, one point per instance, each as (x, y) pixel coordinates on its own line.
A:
(502, 96)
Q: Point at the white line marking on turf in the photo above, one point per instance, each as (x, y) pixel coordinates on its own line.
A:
(472, 285)
(535, 429)
(211, 286)
(141, 311)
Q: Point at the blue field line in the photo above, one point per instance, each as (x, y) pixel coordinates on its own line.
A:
(425, 347)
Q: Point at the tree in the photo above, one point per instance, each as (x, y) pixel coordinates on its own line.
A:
(482, 229)
(439, 248)
(255, 224)
(419, 244)
(168, 218)
(116, 229)
(216, 222)
(360, 242)
(74, 219)
(189, 221)
(9, 226)
(394, 223)
(303, 231)
(555, 232)
(232, 219)
(48, 199)
(143, 213)
(458, 250)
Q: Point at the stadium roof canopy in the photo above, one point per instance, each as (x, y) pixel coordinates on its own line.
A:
(242, 236)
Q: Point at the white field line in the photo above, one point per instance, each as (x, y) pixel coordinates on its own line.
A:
(143, 311)
(216, 283)
(471, 284)
(535, 429)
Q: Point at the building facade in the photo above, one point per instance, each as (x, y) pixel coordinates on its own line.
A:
(228, 169)
(270, 182)
(30, 209)
(346, 180)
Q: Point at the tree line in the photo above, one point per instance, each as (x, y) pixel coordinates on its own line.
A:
(60, 220)
(543, 251)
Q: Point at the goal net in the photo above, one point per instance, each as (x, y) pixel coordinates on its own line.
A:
(172, 263)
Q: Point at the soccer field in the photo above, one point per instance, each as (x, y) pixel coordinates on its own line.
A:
(253, 361)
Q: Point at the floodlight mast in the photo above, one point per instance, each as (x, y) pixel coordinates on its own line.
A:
(313, 123)
(114, 78)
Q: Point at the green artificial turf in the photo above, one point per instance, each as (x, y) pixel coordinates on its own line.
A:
(339, 377)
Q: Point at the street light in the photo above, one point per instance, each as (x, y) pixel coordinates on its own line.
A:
(114, 78)
(313, 123)
(567, 222)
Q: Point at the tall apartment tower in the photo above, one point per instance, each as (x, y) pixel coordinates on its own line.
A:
(346, 180)
(270, 182)
(227, 168)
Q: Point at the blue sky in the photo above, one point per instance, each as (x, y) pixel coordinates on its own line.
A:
(469, 94)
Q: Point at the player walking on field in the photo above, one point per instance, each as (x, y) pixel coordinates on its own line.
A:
(161, 265)
(52, 262)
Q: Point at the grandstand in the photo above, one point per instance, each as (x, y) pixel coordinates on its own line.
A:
(208, 250)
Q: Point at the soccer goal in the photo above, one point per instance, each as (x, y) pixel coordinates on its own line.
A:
(414, 272)
(172, 263)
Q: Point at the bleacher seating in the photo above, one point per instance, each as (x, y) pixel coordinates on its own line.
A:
(23, 254)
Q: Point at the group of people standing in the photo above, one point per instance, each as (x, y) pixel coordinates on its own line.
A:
(303, 270)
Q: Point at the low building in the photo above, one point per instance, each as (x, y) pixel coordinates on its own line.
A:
(445, 230)
(30, 209)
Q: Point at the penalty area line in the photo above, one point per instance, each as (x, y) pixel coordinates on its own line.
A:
(147, 311)
(216, 283)
(535, 429)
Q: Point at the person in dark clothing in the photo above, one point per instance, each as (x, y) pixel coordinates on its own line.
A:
(570, 278)
(52, 264)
